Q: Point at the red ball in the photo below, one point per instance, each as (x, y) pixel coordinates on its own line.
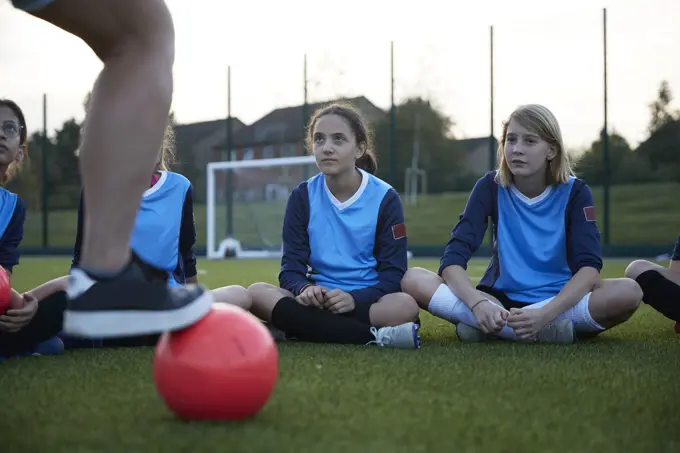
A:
(5, 290)
(677, 327)
(224, 367)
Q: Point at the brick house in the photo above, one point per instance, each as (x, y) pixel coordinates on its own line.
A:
(280, 133)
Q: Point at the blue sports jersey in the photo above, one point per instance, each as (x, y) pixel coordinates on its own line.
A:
(12, 217)
(539, 243)
(358, 246)
(676, 251)
(164, 233)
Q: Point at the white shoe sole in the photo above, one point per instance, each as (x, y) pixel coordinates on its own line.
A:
(128, 323)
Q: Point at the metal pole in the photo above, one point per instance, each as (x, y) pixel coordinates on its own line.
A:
(605, 136)
(228, 144)
(393, 122)
(492, 148)
(45, 178)
(305, 117)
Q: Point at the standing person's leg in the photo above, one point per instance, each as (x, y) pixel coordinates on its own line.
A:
(114, 295)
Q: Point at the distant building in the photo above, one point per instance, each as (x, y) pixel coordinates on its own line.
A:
(280, 133)
(477, 152)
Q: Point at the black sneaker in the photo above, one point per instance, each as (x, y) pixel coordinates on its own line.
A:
(138, 301)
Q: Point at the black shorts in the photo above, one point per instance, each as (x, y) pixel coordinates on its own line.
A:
(502, 298)
(46, 323)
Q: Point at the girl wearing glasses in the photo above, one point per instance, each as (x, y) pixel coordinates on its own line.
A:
(25, 326)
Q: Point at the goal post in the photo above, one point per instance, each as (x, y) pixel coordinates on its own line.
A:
(257, 196)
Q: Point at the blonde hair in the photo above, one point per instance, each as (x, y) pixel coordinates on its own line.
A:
(541, 121)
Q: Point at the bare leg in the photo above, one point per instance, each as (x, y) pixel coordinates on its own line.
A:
(432, 294)
(660, 287)
(264, 298)
(638, 267)
(114, 295)
(235, 295)
(614, 301)
(319, 325)
(50, 287)
(393, 310)
(422, 285)
(127, 115)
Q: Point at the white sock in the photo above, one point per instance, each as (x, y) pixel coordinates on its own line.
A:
(445, 305)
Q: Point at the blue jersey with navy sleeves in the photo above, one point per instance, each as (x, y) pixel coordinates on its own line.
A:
(358, 246)
(539, 243)
(164, 233)
(12, 217)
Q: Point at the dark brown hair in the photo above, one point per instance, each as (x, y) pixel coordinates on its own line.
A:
(368, 161)
(15, 166)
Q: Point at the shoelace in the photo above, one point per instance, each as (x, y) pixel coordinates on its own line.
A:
(382, 336)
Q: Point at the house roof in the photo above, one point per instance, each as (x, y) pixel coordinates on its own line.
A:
(187, 135)
(470, 145)
(285, 125)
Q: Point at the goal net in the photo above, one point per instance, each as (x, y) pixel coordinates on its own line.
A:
(246, 202)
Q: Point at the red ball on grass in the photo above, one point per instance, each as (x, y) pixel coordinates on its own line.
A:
(224, 367)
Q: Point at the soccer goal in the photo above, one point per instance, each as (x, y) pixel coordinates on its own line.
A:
(246, 202)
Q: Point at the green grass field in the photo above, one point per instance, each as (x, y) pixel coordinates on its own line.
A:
(617, 393)
(640, 214)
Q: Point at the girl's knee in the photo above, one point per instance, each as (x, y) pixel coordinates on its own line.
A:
(241, 297)
(631, 294)
(260, 291)
(420, 284)
(638, 267)
(394, 309)
(624, 296)
(408, 307)
(234, 295)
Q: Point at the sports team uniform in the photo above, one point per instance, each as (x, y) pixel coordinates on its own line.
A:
(46, 322)
(539, 243)
(164, 233)
(358, 246)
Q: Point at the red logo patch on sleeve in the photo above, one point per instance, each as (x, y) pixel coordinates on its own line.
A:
(589, 212)
(399, 231)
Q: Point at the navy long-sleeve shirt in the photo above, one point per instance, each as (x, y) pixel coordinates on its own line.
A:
(539, 243)
(358, 246)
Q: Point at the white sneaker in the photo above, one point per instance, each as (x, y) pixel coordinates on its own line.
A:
(560, 332)
(404, 336)
(468, 334)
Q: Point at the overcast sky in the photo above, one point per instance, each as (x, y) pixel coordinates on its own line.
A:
(549, 55)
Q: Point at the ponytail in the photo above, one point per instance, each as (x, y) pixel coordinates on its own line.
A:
(368, 162)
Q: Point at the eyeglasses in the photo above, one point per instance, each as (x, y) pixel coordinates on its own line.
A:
(11, 128)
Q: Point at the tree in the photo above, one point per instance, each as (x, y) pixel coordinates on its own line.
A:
(660, 110)
(590, 165)
(438, 149)
(64, 175)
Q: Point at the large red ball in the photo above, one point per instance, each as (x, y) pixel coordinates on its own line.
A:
(224, 367)
(5, 291)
